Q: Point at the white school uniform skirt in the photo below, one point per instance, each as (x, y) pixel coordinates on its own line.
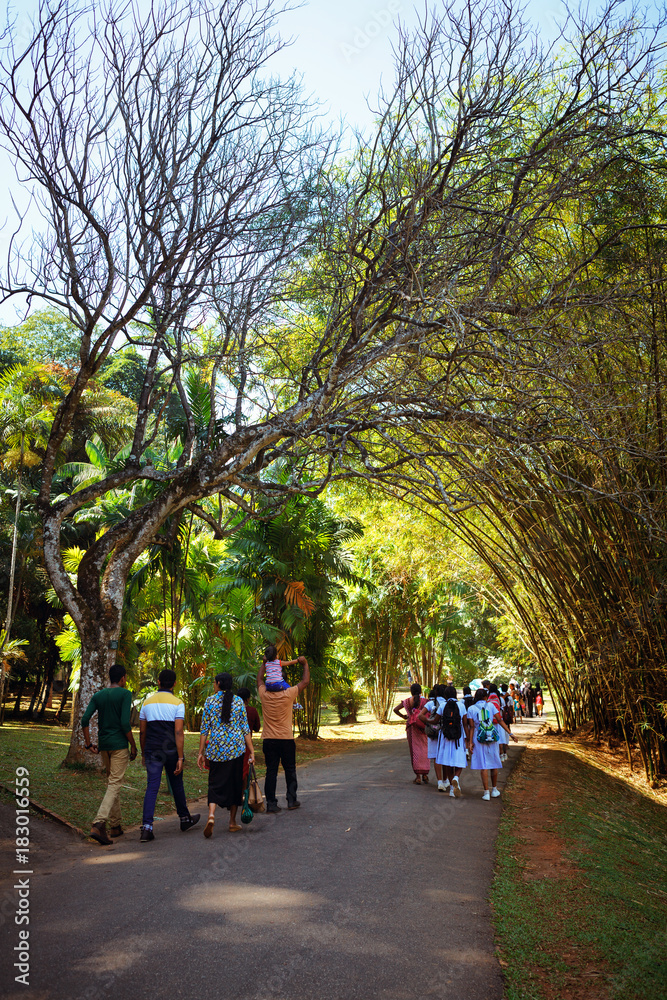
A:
(484, 756)
(503, 738)
(451, 755)
(432, 748)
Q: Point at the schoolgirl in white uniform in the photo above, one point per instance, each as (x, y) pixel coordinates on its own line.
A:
(428, 711)
(452, 752)
(483, 716)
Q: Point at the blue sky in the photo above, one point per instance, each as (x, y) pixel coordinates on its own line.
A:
(342, 49)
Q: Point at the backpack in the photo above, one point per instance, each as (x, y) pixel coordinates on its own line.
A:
(487, 731)
(450, 725)
(431, 728)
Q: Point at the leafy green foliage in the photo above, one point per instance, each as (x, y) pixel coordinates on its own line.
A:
(296, 564)
(45, 337)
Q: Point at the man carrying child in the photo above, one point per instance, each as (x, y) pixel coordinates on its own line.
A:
(278, 699)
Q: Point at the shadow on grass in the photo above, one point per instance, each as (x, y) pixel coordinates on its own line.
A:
(600, 928)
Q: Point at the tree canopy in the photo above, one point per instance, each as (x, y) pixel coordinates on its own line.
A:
(465, 313)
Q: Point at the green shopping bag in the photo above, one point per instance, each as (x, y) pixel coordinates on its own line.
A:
(246, 813)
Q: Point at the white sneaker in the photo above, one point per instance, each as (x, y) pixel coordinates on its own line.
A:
(445, 785)
(495, 794)
(486, 795)
(452, 793)
(441, 786)
(456, 787)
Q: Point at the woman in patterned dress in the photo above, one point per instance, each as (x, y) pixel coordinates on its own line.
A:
(414, 730)
(225, 735)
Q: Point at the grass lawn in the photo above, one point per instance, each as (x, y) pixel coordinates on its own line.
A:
(580, 894)
(76, 794)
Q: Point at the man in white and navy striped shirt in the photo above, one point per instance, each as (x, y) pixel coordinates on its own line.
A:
(161, 723)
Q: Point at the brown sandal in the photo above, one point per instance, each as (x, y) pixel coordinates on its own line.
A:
(418, 780)
(235, 828)
(425, 779)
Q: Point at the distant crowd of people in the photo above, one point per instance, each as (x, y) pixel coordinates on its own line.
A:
(226, 750)
(471, 731)
(527, 699)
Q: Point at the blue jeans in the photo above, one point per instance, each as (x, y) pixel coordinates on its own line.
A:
(277, 686)
(155, 761)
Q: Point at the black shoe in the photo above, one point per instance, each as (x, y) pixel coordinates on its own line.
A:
(98, 832)
(116, 831)
(189, 821)
(294, 805)
(274, 808)
(146, 835)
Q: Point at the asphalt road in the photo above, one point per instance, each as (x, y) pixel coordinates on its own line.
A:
(375, 888)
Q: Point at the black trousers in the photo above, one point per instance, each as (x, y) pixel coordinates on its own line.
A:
(279, 752)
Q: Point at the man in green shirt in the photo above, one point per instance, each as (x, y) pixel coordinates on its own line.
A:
(113, 706)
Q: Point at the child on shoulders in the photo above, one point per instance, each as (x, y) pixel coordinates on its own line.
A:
(273, 671)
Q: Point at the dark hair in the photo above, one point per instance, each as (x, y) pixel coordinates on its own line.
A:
(493, 688)
(449, 692)
(481, 694)
(116, 672)
(167, 679)
(271, 653)
(503, 688)
(467, 690)
(486, 684)
(243, 693)
(433, 693)
(225, 682)
(415, 691)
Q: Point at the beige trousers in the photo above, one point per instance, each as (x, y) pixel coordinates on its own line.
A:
(116, 762)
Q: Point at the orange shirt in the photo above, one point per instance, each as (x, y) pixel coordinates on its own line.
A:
(277, 712)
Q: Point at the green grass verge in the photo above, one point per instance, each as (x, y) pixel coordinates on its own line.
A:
(612, 912)
(75, 794)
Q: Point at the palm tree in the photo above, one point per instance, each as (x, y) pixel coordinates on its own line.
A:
(295, 564)
(10, 650)
(379, 620)
(29, 394)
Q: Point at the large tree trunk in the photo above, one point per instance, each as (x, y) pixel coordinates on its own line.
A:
(96, 605)
(96, 658)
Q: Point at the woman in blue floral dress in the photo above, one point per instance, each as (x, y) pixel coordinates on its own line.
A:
(225, 734)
